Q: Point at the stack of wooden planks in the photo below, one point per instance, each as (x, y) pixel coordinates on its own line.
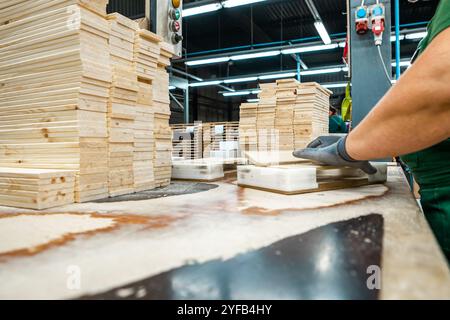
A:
(288, 116)
(161, 105)
(311, 113)
(286, 96)
(70, 95)
(14, 10)
(248, 140)
(121, 107)
(55, 77)
(36, 188)
(146, 55)
(144, 142)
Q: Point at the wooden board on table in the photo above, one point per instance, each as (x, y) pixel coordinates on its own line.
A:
(298, 179)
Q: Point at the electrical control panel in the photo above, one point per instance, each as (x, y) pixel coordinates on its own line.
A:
(170, 23)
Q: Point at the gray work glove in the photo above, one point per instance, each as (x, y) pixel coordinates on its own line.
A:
(330, 150)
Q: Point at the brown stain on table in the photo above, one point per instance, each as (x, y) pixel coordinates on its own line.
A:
(259, 211)
(119, 220)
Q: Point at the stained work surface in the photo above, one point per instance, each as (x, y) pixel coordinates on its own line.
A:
(114, 244)
(329, 262)
(174, 189)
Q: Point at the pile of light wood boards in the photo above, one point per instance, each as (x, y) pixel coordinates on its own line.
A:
(71, 98)
(306, 177)
(36, 188)
(248, 138)
(311, 113)
(14, 10)
(122, 105)
(55, 75)
(288, 116)
(144, 142)
(162, 131)
(146, 56)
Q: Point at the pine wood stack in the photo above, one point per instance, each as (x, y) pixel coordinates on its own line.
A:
(248, 139)
(311, 113)
(286, 96)
(36, 188)
(265, 120)
(60, 106)
(55, 78)
(288, 116)
(14, 10)
(144, 142)
(161, 105)
(122, 105)
(146, 55)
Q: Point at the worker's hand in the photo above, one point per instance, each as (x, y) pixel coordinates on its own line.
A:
(330, 150)
(323, 141)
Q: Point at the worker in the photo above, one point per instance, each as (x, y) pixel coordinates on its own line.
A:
(336, 124)
(412, 121)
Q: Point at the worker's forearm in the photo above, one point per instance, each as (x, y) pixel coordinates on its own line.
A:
(415, 113)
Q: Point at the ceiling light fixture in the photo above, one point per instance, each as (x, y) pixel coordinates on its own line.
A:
(255, 55)
(201, 9)
(237, 93)
(322, 32)
(207, 61)
(278, 76)
(311, 48)
(236, 3)
(417, 35)
(320, 71)
(248, 79)
(205, 83)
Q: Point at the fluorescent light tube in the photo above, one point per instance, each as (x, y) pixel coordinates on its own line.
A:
(417, 35)
(255, 55)
(172, 87)
(236, 3)
(252, 100)
(207, 61)
(201, 9)
(256, 91)
(322, 32)
(205, 83)
(237, 93)
(278, 76)
(311, 49)
(320, 71)
(401, 37)
(335, 85)
(402, 64)
(248, 79)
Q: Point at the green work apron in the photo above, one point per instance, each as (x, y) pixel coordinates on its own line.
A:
(431, 167)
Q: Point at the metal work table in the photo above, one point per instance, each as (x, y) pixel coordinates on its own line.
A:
(226, 242)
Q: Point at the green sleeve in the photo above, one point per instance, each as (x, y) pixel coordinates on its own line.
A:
(439, 23)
